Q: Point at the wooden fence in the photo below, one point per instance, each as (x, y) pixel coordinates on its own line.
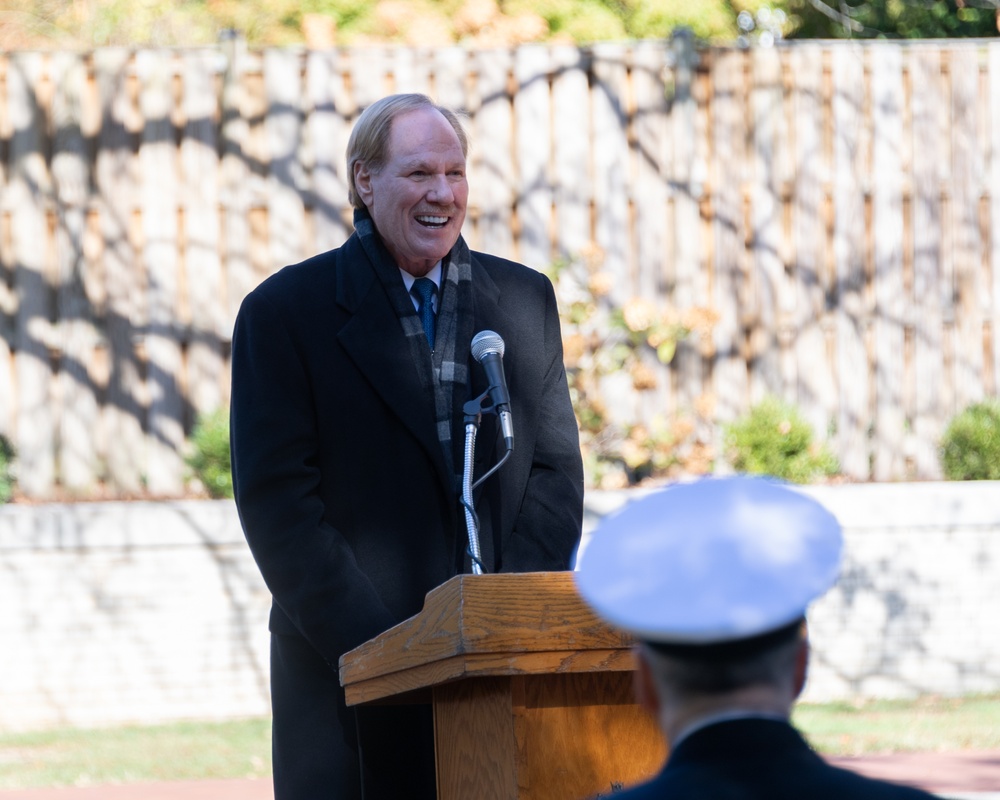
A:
(834, 202)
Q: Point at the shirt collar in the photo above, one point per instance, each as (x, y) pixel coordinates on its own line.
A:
(434, 275)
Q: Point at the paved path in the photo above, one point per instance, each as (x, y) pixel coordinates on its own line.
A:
(962, 776)
(958, 775)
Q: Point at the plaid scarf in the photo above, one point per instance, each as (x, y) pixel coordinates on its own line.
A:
(445, 371)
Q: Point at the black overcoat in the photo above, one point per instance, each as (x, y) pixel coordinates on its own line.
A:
(758, 759)
(340, 479)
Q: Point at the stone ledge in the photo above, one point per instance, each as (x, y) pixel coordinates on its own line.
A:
(150, 612)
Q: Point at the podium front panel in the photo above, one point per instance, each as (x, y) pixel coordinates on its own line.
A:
(542, 737)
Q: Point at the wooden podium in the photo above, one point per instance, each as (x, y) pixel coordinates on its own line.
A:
(532, 693)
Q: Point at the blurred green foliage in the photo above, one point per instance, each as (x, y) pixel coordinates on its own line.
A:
(209, 457)
(477, 23)
(891, 19)
(970, 446)
(6, 469)
(612, 348)
(772, 438)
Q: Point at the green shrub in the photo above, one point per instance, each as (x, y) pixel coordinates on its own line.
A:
(209, 456)
(773, 439)
(6, 469)
(970, 447)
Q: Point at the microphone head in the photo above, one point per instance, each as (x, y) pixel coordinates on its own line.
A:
(486, 342)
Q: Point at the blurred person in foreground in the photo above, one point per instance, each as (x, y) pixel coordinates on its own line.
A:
(348, 442)
(713, 578)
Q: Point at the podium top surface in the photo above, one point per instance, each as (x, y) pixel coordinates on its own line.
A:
(479, 625)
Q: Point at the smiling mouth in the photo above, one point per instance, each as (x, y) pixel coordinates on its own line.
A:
(429, 221)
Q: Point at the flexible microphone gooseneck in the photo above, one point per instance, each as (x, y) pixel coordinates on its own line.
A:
(487, 348)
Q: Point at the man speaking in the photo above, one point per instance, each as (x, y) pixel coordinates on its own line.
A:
(351, 371)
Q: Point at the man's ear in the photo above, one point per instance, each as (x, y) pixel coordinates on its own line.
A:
(363, 182)
(646, 693)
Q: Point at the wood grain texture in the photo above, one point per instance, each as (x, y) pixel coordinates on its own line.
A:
(474, 741)
(486, 624)
(541, 737)
(582, 734)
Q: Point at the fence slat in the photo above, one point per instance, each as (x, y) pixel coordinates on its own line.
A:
(815, 393)
(328, 132)
(451, 66)
(79, 409)
(728, 178)
(8, 301)
(26, 201)
(160, 198)
(234, 177)
(200, 202)
(533, 147)
(849, 253)
(765, 301)
(286, 181)
(993, 192)
(928, 288)
(649, 172)
(967, 167)
(492, 168)
(887, 220)
(571, 150)
(611, 176)
(124, 411)
(688, 175)
(369, 75)
(411, 70)
(650, 155)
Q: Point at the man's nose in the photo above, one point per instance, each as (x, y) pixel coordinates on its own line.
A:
(440, 190)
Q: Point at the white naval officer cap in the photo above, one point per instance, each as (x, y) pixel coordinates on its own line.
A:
(712, 565)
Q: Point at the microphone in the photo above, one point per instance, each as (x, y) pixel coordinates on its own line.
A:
(487, 349)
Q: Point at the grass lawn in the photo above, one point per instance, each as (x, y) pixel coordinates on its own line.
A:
(191, 751)
(895, 726)
(183, 751)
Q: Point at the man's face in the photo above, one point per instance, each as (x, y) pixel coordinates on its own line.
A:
(418, 198)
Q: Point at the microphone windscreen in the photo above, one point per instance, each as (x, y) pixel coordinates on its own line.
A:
(486, 342)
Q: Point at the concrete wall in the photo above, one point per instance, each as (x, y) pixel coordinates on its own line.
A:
(917, 608)
(129, 612)
(148, 612)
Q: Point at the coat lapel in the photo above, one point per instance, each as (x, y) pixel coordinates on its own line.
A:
(373, 339)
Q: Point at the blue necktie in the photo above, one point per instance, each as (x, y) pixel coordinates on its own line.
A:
(424, 289)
